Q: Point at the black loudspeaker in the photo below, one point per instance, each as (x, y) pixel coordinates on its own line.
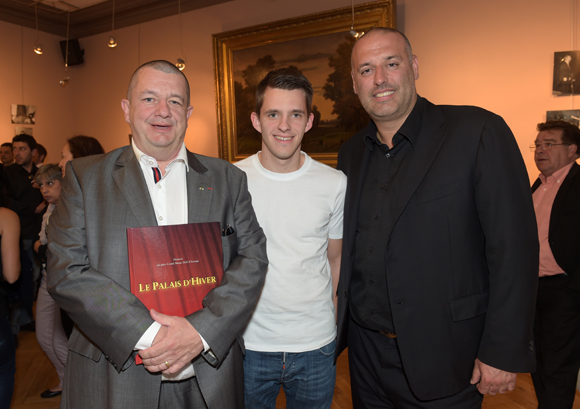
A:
(75, 54)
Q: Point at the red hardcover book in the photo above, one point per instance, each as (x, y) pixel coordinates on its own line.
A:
(172, 268)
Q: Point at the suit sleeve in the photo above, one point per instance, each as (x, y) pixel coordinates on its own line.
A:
(108, 314)
(227, 308)
(505, 208)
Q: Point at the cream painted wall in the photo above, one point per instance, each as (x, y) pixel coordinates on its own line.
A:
(104, 78)
(496, 54)
(31, 79)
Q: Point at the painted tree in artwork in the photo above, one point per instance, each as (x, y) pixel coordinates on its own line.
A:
(338, 88)
(245, 98)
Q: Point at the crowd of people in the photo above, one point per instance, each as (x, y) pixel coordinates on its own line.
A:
(29, 192)
(424, 253)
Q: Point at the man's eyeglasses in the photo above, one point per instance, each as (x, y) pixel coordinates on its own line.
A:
(546, 146)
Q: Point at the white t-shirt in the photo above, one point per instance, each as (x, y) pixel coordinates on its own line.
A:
(299, 212)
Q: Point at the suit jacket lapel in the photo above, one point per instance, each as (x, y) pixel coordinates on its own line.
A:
(560, 198)
(414, 168)
(356, 178)
(199, 190)
(129, 179)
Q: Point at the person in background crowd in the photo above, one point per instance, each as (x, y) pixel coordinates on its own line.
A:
(556, 195)
(28, 204)
(6, 154)
(440, 251)
(49, 330)
(39, 155)
(78, 147)
(10, 270)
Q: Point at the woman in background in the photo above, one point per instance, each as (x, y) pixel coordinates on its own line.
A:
(78, 147)
(10, 270)
(49, 329)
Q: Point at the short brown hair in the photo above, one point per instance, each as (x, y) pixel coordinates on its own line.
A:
(81, 146)
(288, 79)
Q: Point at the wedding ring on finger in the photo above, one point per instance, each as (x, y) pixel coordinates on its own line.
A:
(167, 364)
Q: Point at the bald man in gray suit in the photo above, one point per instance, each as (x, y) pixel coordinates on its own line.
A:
(196, 361)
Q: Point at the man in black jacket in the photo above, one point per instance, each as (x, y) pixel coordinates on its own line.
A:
(556, 196)
(27, 202)
(440, 250)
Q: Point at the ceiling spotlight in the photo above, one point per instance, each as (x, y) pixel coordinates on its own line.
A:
(180, 61)
(63, 82)
(38, 46)
(353, 32)
(112, 40)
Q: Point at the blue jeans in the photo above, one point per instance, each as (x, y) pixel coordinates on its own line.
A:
(306, 377)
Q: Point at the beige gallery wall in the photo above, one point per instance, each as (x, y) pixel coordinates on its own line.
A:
(31, 79)
(496, 54)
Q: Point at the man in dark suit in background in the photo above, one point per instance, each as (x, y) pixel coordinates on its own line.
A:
(196, 361)
(28, 203)
(556, 195)
(437, 286)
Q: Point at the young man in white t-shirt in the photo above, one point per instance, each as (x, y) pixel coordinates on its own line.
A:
(290, 339)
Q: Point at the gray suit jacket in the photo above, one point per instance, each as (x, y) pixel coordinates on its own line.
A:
(88, 277)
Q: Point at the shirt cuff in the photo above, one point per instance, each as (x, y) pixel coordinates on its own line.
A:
(147, 338)
(146, 341)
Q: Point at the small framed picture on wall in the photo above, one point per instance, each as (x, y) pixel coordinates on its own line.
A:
(23, 114)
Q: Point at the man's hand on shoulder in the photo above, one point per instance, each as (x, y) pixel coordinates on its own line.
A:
(492, 380)
(176, 343)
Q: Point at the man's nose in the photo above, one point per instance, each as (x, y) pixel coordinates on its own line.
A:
(284, 125)
(380, 76)
(163, 109)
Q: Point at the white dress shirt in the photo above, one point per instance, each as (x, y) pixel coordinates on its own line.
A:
(169, 199)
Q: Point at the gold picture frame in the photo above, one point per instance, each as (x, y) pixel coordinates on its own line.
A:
(298, 42)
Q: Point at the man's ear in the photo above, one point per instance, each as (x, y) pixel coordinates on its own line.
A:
(353, 82)
(126, 105)
(256, 122)
(309, 123)
(415, 65)
(573, 150)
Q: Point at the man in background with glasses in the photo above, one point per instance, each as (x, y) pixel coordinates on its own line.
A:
(556, 195)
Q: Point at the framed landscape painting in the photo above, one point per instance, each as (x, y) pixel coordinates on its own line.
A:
(318, 45)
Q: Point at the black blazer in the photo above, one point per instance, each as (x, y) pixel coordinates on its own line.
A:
(462, 253)
(564, 233)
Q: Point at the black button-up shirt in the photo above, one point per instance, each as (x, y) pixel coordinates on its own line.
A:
(369, 292)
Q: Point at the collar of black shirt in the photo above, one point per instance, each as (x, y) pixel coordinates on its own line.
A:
(409, 130)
